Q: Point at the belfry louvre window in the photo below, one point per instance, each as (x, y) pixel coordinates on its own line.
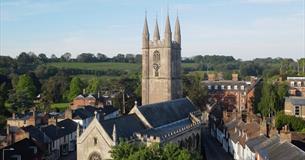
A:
(156, 63)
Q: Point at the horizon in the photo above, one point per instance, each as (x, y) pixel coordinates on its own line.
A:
(276, 27)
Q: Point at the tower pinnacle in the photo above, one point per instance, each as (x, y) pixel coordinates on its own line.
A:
(145, 35)
(167, 33)
(177, 37)
(156, 32)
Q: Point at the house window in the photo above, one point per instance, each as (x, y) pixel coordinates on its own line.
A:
(242, 87)
(235, 87)
(297, 110)
(299, 84)
(229, 87)
(292, 83)
(222, 87)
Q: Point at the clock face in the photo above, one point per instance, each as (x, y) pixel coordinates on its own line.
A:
(156, 66)
(95, 156)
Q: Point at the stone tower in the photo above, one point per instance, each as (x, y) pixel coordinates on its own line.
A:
(161, 64)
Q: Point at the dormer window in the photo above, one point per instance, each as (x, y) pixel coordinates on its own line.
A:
(216, 87)
(222, 87)
(209, 87)
(299, 84)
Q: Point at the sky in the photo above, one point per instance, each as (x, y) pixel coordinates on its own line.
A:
(245, 29)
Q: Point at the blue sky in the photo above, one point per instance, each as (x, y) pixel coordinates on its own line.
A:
(245, 29)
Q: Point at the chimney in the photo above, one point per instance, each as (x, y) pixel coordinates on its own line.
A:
(7, 129)
(14, 115)
(84, 91)
(234, 77)
(68, 113)
(220, 76)
(285, 134)
(211, 77)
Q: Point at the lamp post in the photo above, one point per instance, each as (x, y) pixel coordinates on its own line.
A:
(8, 149)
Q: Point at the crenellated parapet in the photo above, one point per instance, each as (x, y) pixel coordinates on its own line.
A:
(159, 138)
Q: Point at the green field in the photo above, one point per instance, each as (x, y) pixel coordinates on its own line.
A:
(106, 65)
(60, 106)
(97, 66)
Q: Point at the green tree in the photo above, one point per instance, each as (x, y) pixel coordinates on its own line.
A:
(267, 104)
(55, 89)
(194, 89)
(128, 151)
(75, 88)
(26, 84)
(94, 85)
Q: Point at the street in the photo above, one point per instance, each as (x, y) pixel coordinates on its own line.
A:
(213, 149)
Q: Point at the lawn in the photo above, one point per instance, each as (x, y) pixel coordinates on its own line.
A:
(59, 106)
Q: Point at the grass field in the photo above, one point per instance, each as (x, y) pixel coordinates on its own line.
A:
(97, 66)
(60, 106)
(106, 65)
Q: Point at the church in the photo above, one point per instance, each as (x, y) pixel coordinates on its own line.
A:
(164, 117)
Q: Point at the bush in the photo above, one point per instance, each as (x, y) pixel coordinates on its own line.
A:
(294, 123)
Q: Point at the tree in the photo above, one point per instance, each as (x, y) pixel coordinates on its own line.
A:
(294, 123)
(75, 88)
(26, 84)
(194, 89)
(22, 96)
(101, 57)
(128, 151)
(66, 56)
(42, 58)
(86, 57)
(55, 89)
(94, 85)
(267, 104)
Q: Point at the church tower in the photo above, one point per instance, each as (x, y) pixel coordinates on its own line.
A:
(161, 64)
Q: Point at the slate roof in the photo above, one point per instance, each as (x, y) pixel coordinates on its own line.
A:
(298, 139)
(159, 114)
(68, 125)
(125, 125)
(295, 100)
(82, 113)
(255, 141)
(167, 128)
(23, 149)
(79, 97)
(35, 134)
(284, 151)
(269, 142)
(53, 132)
(88, 111)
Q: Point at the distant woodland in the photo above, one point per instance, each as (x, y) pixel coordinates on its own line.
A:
(37, 80)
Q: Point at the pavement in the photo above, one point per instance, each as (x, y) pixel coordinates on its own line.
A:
(213, 149)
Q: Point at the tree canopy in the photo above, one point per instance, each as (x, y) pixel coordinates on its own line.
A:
(76, 87)
(128, 151)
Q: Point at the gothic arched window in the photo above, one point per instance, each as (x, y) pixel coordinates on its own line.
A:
(156, 63)
(95, 156)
